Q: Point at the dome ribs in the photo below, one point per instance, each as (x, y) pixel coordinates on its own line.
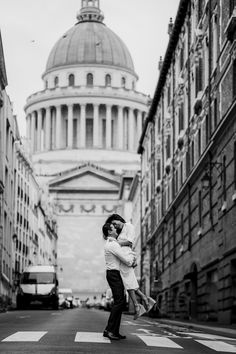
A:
(90, 43)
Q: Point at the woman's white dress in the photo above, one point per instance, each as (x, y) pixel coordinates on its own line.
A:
(127, 273)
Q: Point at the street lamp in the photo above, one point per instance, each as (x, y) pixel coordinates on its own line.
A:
(206, 178)
(206, 182)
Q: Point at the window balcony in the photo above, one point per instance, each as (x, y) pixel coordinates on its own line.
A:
(231, 27)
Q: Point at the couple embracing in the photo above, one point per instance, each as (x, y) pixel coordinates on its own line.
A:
(120, 262)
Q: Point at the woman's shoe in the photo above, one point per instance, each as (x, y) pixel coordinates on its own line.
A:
(139, 311)
(151, 303)
(146, 303)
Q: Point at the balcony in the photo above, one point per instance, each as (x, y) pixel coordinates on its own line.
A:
(231, 27)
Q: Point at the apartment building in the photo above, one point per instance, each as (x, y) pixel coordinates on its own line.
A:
(188, 182)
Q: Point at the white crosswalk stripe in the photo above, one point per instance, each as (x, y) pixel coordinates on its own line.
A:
(154, 341)
(206, 336)
(25, 336)
(218, 346)
(91, 337)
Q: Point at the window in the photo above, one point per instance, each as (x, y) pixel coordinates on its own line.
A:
(200, 9)
(168, 147)
(224, 178)
(232, 5)
(56, 81)
(158, 169)
(234, 165)
(181, 117)
(71, 80)
(123, 82)
(168, 95)
(198, 76)
(108, 80)
(200, 209)
(90, 79)
(234, 78)
(215, 112)
(181, 59)
(46, 84)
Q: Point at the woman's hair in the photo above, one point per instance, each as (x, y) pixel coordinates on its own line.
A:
(113, 217)
(106, 227)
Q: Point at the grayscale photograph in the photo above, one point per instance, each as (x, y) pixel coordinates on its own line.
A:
(117, 176)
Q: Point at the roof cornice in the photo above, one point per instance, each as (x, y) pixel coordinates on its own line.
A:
(173, 41)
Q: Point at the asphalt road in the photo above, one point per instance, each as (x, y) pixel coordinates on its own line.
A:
(80, 331)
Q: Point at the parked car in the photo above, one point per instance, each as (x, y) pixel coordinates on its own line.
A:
(108, 300)
(66, 298)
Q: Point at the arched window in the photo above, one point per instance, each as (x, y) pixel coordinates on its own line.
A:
(56, 81)
(123, 82)
(108, 80)
(71, 80)
(90, 79)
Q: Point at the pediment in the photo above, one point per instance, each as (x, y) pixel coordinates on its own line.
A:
(88, 178)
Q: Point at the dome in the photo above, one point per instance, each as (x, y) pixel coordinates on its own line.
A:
(91, 42)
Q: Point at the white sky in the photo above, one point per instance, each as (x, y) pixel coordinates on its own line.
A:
(30, 28)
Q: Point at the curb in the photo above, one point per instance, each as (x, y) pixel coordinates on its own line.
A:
(225, 330)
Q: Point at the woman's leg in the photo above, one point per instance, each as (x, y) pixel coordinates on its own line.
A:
(133, 297)
(144, 298)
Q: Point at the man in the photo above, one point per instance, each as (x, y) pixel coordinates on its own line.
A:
(113, 256)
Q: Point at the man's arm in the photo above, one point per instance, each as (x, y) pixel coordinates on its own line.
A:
(117, 250)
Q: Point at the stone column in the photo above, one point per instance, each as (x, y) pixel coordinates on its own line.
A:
(120, 132)
(82, 125)
(70, 126)
(39, 131)
(28, 129)
(131, 130)
(139, 124)
(108, 127)
(58, 127)
(48, 128)
(95, 126)
(32, 133)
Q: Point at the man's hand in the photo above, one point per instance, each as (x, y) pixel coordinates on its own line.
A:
(134, 264)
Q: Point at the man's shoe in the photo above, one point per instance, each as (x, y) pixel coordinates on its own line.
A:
(151, 302)
(120, 336)
(112, 336)
(105, 333)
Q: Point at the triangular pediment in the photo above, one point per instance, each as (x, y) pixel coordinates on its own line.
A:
(86, 178)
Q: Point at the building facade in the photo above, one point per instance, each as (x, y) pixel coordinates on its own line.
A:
(7, 130)
(35, 226)
(19, 202)
(188, 152)
(83, 129)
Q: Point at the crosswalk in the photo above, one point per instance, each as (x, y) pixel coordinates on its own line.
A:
(150, 339)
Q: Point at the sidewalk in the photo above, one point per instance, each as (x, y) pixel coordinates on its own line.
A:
(205, 326)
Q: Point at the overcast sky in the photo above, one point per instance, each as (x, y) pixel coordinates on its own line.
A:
(30, 28)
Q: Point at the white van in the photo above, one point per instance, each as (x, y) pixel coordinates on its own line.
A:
(38, 283)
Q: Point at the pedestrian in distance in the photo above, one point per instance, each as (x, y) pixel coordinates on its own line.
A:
(114, 255)
(126, 237)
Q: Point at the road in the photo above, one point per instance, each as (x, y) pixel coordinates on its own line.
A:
(80, 331)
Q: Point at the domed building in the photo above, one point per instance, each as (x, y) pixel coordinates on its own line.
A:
(83, 129)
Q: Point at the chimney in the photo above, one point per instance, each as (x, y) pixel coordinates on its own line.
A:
(170, 26)
(160, 63)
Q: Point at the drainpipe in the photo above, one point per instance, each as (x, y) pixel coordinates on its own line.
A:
(141, 229)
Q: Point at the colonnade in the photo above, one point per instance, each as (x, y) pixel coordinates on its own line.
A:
(84, 126)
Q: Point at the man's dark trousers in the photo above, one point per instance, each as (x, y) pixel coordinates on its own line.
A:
(115, 282)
